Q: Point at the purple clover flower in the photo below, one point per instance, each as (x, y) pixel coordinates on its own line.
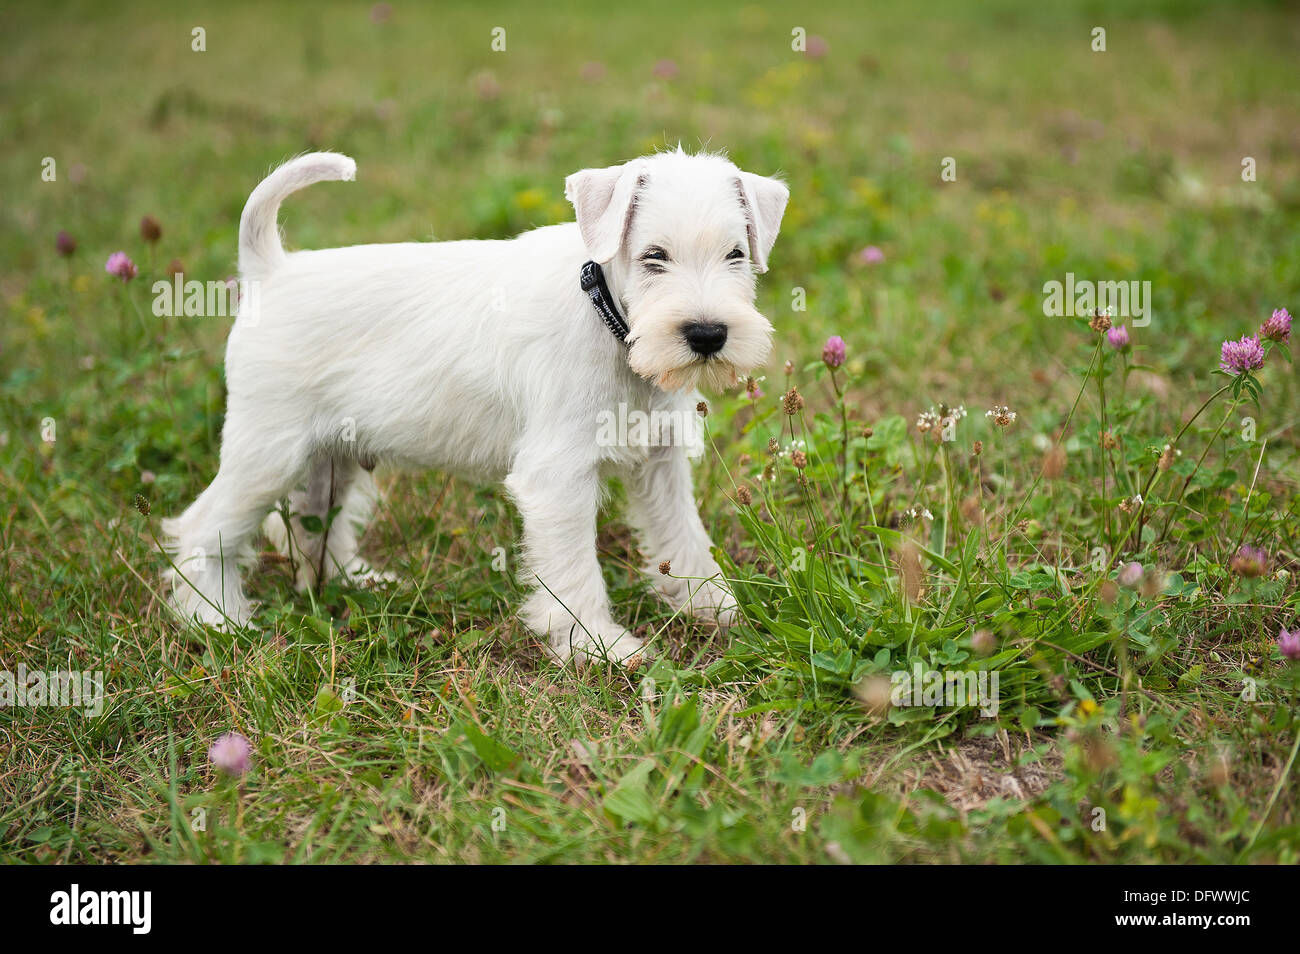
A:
(834, 352)
(232, 753)
(1238, 357)
(1249, 561)
(1278, 327)
(1130, 574)
(119, 265)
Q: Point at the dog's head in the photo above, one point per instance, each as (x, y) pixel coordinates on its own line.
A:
(681, 238)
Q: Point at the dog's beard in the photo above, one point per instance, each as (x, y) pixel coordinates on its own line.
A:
(706, 373)
(658, 352)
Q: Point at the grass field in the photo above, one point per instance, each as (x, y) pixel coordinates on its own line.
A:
(1144, 716)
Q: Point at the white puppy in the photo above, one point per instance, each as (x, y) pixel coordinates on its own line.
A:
(489, 360)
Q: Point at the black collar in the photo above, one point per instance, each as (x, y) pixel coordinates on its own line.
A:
(593, 283)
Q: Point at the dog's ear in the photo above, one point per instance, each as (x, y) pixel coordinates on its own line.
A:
(602, 200)
(764, 200)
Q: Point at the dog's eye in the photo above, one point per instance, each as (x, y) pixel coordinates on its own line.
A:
(655, 259)
(735, 253)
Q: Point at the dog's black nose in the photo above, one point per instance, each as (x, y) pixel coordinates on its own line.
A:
(705, 337)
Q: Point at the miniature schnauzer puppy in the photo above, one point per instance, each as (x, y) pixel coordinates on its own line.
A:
(490, 360)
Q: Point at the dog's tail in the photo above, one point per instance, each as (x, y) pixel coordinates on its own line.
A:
(260, 251)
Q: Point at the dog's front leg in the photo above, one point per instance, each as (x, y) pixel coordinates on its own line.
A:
(569, 605)
(661, 505)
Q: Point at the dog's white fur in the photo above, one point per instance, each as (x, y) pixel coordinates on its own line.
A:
(484, 359)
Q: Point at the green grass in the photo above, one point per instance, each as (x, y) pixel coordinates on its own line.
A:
(419, 722)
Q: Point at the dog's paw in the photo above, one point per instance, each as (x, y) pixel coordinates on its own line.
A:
(356, 573)
(727, 616)
(584, 648)
(195, 609)
(714, 601)
(702, 598)
(362, 574)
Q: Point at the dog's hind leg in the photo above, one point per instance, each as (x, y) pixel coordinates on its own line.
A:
(210, 541)
(336, 503)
